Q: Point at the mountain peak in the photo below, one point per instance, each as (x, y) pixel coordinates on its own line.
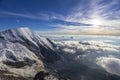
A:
(15, 34)
(39, 45)
(18, 29)
(23, 29)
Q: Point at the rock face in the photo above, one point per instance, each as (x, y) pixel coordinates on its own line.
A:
(48, 76)
(21, 47)
(40, 75)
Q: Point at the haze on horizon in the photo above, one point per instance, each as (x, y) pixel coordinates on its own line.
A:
(89, 17)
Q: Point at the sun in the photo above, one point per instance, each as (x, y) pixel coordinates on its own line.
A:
(96, 22)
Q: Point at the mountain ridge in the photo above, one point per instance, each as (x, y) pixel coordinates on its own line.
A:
(22, 47)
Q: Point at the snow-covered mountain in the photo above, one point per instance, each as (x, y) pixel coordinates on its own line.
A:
(21, 47)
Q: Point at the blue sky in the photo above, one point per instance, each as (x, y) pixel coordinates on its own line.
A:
(62, 16)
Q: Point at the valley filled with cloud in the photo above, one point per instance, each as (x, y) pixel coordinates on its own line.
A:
(95, 54)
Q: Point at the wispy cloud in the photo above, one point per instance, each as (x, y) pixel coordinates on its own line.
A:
(29, 15)
(102, 15)
(89, 17)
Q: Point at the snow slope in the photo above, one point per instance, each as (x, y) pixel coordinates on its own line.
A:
(21, 47)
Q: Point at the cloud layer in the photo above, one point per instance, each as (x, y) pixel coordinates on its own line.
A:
(111, 64)
(92, 53)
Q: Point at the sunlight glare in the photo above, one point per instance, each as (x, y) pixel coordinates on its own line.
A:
(96, 22)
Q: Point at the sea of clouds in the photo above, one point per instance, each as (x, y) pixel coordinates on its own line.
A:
(93, 54)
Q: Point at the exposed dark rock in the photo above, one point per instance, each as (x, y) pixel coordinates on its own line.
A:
(17, 64)
(51, 75)
(40, 75)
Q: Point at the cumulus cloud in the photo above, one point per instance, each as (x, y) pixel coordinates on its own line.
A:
(88, 46)
(69, 50)
(89, 51)
(110, 64)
